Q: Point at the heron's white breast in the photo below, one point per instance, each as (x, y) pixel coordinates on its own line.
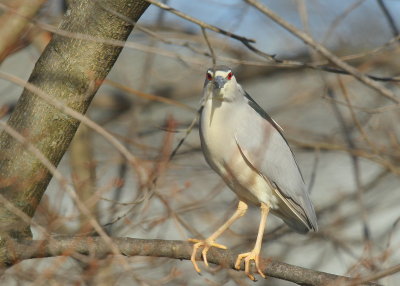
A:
(219, 122)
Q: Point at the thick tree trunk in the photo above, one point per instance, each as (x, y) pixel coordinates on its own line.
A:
(71, 70)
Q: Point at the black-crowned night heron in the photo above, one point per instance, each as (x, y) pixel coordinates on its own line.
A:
(246, 147)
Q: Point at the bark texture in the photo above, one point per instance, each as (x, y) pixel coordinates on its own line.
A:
(70, 69)
(96, 248)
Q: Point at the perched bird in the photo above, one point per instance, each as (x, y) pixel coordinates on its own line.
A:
(246, 147)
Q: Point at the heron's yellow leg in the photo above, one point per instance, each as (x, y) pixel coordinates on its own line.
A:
(210, 241)
(255, 253)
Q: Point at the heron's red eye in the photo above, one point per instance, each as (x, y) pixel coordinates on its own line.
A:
(209, 76)
(229, 76)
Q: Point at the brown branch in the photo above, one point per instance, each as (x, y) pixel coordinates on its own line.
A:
(374, 276)
(245, 41)
(103, 40)
(271, 58)
(200, 23)
(351, 145)
(324, 51)
(339, 19)
(389, 18)
(74, 114)
(149, 96)
(83, 172)
(12, 27)
(175, 249)
(70, 71)
(63, 182)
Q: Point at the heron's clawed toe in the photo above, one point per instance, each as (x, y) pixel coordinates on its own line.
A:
(248, 257)
(207, 244)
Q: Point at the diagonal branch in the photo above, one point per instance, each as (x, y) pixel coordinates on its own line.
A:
(11, 28)
(324, 51)
(271, 58)
(200, 23)
(389, 18)
(71, 71)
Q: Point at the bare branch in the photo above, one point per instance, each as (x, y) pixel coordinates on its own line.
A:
(389, 18)
(71, 112)
(380, 274)
(71, 71)
(12, 27)
(63, 182)
(201, 23)
(175, 249)
(324, 51)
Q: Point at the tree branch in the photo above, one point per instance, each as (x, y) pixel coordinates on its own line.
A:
(200, 23)
(11, 28)
(389, 18)
(272, 58)
(324, 51)
(71, 71)
(96, 247)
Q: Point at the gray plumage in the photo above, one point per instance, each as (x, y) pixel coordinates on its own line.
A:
(246, 147)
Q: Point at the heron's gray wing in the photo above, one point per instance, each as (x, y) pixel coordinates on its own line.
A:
(262, 143)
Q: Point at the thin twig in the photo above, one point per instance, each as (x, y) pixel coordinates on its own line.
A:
(201, 23)
(389, 18)
(78, 116)
(356, 167)
(12, 27)
(341, 17)
(189, 129)
(324, 51)
(375, 276)
(272, 59)
(214, 60)
(64, 184)
(149, 96)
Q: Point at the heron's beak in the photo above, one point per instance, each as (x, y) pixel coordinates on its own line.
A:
(219, 82)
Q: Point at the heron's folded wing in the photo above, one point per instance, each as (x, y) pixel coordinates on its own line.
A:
(264, 146)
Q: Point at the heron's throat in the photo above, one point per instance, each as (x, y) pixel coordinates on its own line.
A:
(217, 94)
(215, 101)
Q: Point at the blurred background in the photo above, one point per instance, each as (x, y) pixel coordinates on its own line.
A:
(344, 134)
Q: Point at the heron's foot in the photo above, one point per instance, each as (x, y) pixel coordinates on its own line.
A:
(248, 257)
(207, 244)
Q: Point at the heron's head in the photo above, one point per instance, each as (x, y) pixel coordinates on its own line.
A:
(221, 82)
